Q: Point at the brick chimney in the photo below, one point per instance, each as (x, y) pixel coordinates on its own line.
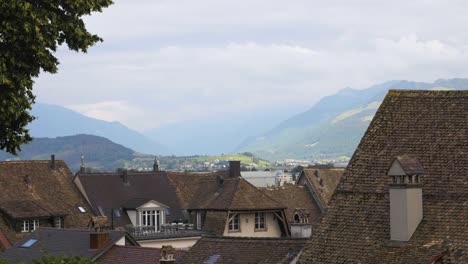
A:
(167, 255)
(98, 240)
(406, 203)
(234, 169)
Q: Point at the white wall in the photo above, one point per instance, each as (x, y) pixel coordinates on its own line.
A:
(132, 215)
(247, 227)
(178, 243)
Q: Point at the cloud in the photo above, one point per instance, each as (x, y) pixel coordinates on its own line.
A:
(172, 61)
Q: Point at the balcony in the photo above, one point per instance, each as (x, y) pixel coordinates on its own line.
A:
(165, 232)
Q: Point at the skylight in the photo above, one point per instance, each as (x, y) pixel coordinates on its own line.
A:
(212, 260)
(116, 213)
(82, 209)
(29, 243)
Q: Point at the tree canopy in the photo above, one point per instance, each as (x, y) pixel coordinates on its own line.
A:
(30, 33)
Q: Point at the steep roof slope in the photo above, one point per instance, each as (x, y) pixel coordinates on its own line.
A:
(33, 189)
(430, 126)
(234, 194)
(244, 250)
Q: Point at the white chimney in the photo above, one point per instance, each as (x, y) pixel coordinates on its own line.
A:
(406, 204)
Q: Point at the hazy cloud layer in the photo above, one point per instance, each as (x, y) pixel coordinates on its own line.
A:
(169, 61)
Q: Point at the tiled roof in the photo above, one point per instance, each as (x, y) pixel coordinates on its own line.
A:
(244, 250)
(108, 190)
(135, 255)
(432, 127)
(186, 184)
(324, 181)
(295, 197)
(32, 189)
(57, 242)
(410, 165)
(235, 194)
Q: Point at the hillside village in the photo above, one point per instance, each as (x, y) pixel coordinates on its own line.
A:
(385, 207)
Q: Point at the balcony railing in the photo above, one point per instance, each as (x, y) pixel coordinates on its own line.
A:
(165, 231)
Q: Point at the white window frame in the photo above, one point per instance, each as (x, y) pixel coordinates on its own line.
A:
(58, 220)
(199, 217)
(260, 221)
(25, 226)
(35, 225)
(235, 221)
(152, 218)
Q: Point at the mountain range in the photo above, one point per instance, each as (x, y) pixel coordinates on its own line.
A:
(57, 121)
(329, 130)
(99, 152)
(332, 128)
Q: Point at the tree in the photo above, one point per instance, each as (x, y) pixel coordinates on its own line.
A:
(30, 33)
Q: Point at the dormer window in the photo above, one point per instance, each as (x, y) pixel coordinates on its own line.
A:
(29, 226)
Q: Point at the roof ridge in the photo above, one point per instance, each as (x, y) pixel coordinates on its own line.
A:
(418, 93)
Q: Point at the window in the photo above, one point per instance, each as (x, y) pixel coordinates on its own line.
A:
(29, 225)
(58, 222)
(151, 218)
(260, 221)
(82, 210)
(35, 225)
(25, 226)
(234, 223)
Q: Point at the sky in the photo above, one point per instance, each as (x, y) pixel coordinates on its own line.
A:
(165, 62)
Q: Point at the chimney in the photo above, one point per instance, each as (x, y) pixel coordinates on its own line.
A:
(406, 204)
(220, 183)
(125, 176)
(167, 255)
(234, 169)
(52, 161)
(156, 165)
(98, 240)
